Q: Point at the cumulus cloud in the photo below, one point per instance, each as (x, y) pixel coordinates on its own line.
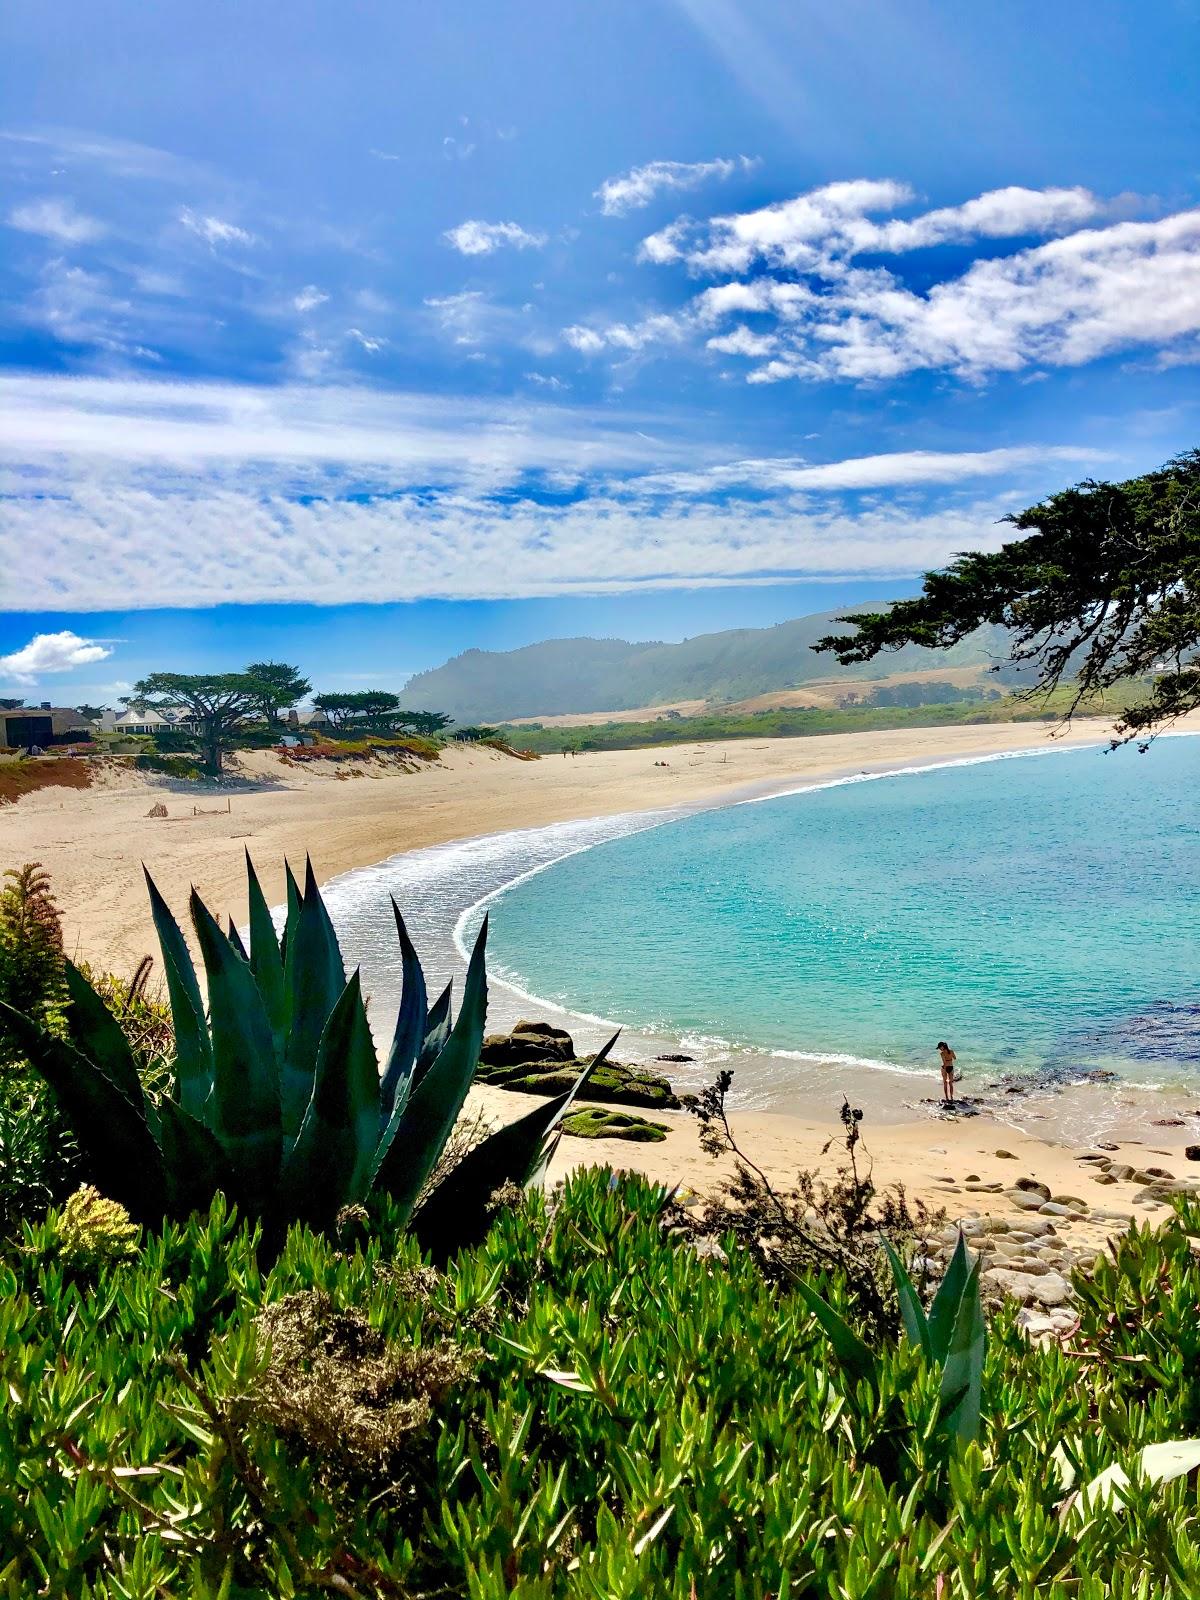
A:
(56, 219)
(214, 230)
(476, 238)
(136, 493)
(807, 290)
(52, 652)
(636, 188)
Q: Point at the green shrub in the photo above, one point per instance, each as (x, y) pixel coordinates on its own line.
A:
(581, 1406)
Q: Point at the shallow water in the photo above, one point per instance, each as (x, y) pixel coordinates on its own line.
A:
(1039, 912)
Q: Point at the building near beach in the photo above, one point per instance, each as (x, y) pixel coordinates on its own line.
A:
(41, 727)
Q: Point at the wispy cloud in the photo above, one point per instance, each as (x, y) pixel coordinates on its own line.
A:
(215, 230)
(476, 238)
(309, 298)
(634, 189)
(56, 219)
(52, 652)
(332, 495)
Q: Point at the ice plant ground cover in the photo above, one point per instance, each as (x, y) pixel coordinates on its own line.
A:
(583, 1405)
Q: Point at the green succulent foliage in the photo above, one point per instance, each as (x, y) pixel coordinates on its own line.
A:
(275, 1095)
(635, 1420)
(952, 1339)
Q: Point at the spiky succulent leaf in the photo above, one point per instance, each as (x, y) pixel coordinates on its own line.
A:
(193, 1053)
(853, 1355)
(194, 1165)
(962, 1373)
(330, 1163)
(457, 1214)
(943, 1313)
(97, 1034)
(437, 1031)
(912, 1312)
(410, 1025)
(235, 940)
(315, 979)
(266, 962)
(413, 1141)
(243, 1110)
(294, 901)
(120, 1153)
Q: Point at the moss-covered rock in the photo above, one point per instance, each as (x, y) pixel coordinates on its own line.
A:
(613, 1083)
(527, 1043)
(594, 1122)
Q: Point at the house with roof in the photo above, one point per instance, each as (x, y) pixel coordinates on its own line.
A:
(149, 721)
(42, 727)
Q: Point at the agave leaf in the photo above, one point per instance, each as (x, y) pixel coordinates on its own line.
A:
(410, 1024)
(235, 940)
(944, 1311)
(97, 1034)
(457, 1214)
(315, 979)
(294, 902)
(330, 1163)
(266, 963)
(194, 1164)
(437, 1031)
(912, 1312)
(414, 1140)
(536, 1176)
(121, 1155)
(244, 1108)
(852, 1354)
(193, 1053)
(1157, 1463)
(962, 1373)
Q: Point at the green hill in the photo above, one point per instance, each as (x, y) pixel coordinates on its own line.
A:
(559, 676)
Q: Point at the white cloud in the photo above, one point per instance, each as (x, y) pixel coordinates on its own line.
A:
(309, 298)
(56, 219)
(628, 337)
(371, 345)
(819, 231)
(214, 230)
(127, 493)
(52, 652)
(481, 238)
(635, 189)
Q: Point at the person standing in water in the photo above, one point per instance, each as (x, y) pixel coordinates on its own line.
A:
(948, 1060)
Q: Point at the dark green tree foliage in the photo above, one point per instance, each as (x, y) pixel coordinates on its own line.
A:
(220, 702)
(91, 713)
(275, 1096)
(376, 711)
(1105, 588)
(277, 687)
(11, 705)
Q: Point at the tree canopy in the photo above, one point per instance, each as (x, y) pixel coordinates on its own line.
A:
(1105, 588)
(376, 711)
(220, 702)
(280, 686)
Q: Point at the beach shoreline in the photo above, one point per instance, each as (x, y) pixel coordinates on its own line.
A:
(93, 843)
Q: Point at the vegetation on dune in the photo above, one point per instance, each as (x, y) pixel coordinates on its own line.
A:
(582, 1406)
(1104, 590)
(799, 723)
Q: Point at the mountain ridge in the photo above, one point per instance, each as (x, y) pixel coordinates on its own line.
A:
(560, 676)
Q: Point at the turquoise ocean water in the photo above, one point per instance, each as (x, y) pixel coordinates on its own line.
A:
(1042, 913)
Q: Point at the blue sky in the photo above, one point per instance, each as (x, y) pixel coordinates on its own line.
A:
(361, 334)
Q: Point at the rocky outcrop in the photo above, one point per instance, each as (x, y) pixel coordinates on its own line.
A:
(595, 1122)
(536, 1058)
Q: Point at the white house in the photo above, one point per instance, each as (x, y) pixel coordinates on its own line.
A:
(152, 722)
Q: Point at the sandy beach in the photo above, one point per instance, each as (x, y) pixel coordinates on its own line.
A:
(93, 843)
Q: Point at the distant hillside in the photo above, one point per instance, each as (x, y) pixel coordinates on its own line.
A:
(565, 675)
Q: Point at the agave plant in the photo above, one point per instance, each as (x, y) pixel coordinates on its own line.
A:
(952, 1336)
(276, 1096)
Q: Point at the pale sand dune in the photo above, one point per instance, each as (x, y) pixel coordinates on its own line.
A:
(93, 842)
